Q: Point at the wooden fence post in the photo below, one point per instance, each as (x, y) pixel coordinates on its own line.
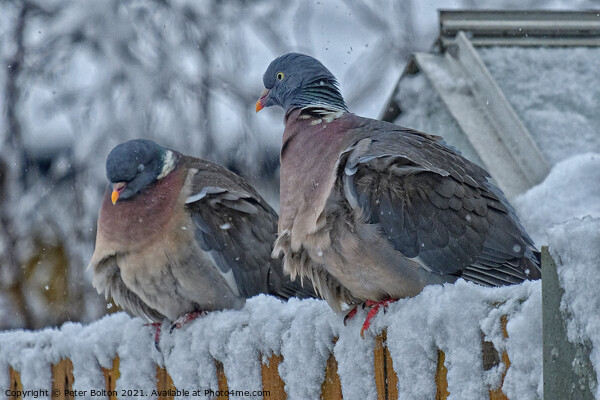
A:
(331, 388)
(110, 378)
(386, 380)
(498, 394)
(441, 377)
(15, 383)
(222, 381)
(164, 382)
(271, 380)
(62, 380)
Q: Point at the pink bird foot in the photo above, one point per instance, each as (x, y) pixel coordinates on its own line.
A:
(350, 315)
(157, 329)
(185, 319)
(375, 306)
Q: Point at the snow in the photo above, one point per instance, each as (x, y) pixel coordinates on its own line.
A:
(571, 190)
(32, 352)
(449, 317)
(453, 318)
(524, 347)
(563, 212)
(236, 338)
(554, 91)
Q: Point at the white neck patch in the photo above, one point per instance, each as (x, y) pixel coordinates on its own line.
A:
(168, 165)
(327, 112)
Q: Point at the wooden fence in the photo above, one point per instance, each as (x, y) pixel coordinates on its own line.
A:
(386, 380)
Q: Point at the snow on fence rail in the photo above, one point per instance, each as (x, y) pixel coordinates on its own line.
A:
(452, 341)
(273, 386)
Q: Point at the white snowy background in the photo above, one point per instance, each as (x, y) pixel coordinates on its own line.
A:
(79, 77)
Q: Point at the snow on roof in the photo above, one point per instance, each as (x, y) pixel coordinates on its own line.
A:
(571, 191)
(555, 92)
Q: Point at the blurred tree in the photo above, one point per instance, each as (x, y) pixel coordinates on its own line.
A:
(12, 172)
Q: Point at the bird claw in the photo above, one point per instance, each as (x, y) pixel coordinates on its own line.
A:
(157, 329)
(375, 306)
(185, 319)
(350, 315)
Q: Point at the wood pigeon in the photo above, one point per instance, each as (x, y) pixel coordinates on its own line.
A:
(178, 235)
(371, 211)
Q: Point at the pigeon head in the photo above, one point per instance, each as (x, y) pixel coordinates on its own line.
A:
(296, 80)
(134, 165)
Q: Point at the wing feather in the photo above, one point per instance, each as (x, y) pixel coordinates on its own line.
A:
(433, 204)
(237, 228)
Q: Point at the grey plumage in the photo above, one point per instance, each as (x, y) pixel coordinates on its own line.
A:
(371, 210)
(184, 235)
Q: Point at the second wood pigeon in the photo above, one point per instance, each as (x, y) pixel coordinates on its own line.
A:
(178, 235)
(371, 211)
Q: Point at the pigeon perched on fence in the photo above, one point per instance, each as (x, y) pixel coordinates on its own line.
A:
(371, 211)
(179, 235)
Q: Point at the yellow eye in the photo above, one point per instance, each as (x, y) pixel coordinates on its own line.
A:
(280, 76)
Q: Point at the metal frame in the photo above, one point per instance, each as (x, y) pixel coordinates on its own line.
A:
(520, 28)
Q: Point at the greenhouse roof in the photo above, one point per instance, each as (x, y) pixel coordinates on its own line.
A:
(491, 104)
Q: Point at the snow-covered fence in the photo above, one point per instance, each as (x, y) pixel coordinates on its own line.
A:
(452, 341)
(439, 345)
(456, 341)
(273, 386)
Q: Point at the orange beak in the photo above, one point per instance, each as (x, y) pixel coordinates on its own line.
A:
(260, 104)
(117, 189)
